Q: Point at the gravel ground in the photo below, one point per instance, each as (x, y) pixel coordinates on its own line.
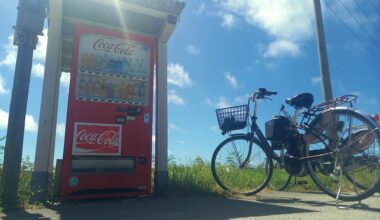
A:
(275, 205)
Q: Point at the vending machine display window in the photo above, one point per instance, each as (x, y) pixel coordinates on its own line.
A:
(113, 70)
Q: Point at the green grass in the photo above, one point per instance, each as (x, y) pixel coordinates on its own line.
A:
(193, 178)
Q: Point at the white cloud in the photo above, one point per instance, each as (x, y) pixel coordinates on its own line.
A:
(3, 119)
(286, 19)
(222, 103)
(208, 101)
(175, 128)
(174, 98)
(38, 54)
(60, 130)
(65, 79)
(192, 49)
(232, 80)
(316, 80)
(228, 20)
(282, 48)
(10, 54)
(290, 20)
(201, 8)
(178, 76)
(40, 51)
(30, 123)
(38, 70)
(3, 88)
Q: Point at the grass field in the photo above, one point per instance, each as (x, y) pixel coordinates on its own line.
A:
(193, 178)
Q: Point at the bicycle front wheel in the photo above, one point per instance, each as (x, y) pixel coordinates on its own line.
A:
(350, 143)
(240, 165)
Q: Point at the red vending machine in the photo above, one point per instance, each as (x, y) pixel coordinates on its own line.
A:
(108, 139)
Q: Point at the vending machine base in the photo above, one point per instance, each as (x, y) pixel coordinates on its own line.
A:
(99, 177)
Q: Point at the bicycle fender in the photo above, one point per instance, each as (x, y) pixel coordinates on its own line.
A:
(364, 114)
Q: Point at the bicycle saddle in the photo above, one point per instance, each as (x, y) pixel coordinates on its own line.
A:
(303, 100)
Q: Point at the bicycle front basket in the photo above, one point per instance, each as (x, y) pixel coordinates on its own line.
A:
(232, 118)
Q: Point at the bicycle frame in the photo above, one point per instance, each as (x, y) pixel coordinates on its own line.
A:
(256, 133)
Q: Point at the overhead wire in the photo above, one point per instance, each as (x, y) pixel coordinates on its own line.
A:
(364, 15)
(359, 25)
(352, 32)
(377, 10)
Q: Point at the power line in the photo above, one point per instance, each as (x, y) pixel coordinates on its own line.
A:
(353, 33)
(364, 15)
(374, 7)
(357, 22)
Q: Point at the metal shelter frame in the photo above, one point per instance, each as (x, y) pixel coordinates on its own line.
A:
(153, 18)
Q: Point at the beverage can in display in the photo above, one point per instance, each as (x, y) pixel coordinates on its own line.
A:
(110, 91)
(123, 91)
(124, 66)
(84, 62)
(118, 66)
(136, 89)
(91, 62)
(81, 86)
(103, 89)
(110, 65)
(116, 94)
(99, 63)
(104, 63)
(90, 87)
(96, 88)
(130, 91)
(142, 90)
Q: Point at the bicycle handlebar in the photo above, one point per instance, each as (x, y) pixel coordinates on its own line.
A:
(263, 93)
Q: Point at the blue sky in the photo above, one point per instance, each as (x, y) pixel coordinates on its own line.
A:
(223, 50)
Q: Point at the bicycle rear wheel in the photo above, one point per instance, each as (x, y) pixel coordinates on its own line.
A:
(239, 165)
(351, 143)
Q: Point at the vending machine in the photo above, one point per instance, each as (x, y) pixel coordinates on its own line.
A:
(107, 150)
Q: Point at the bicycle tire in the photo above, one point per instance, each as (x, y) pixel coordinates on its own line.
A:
(238, 169)
(339, 168)
(279, 181)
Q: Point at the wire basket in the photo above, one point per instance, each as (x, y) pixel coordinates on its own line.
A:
(232, 118)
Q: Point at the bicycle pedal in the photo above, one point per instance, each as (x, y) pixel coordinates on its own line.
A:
(302, 182)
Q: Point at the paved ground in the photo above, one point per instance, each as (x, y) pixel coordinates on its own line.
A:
(276, 205)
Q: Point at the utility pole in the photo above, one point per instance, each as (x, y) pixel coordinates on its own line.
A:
(30, 22)
(322, 51)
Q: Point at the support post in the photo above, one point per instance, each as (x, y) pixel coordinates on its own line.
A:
(161, 168)
(30, 21)
(44, 158)
(161, 161)
(16, 124)
(322, 51)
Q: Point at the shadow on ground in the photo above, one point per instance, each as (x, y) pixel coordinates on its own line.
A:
(157, 208)
(354, 205)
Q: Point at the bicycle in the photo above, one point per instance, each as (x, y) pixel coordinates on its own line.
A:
(336, 145)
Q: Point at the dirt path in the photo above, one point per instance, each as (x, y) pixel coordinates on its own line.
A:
(277, 205)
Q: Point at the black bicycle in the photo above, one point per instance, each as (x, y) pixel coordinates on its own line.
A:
(336, 145)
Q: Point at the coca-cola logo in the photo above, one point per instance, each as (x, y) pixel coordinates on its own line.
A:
(121, 48)
(97, 139)
(106, 138)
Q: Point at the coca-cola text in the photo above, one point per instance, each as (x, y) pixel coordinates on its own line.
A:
(122, 48)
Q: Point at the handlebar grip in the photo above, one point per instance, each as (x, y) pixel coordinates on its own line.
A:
(272, 93)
